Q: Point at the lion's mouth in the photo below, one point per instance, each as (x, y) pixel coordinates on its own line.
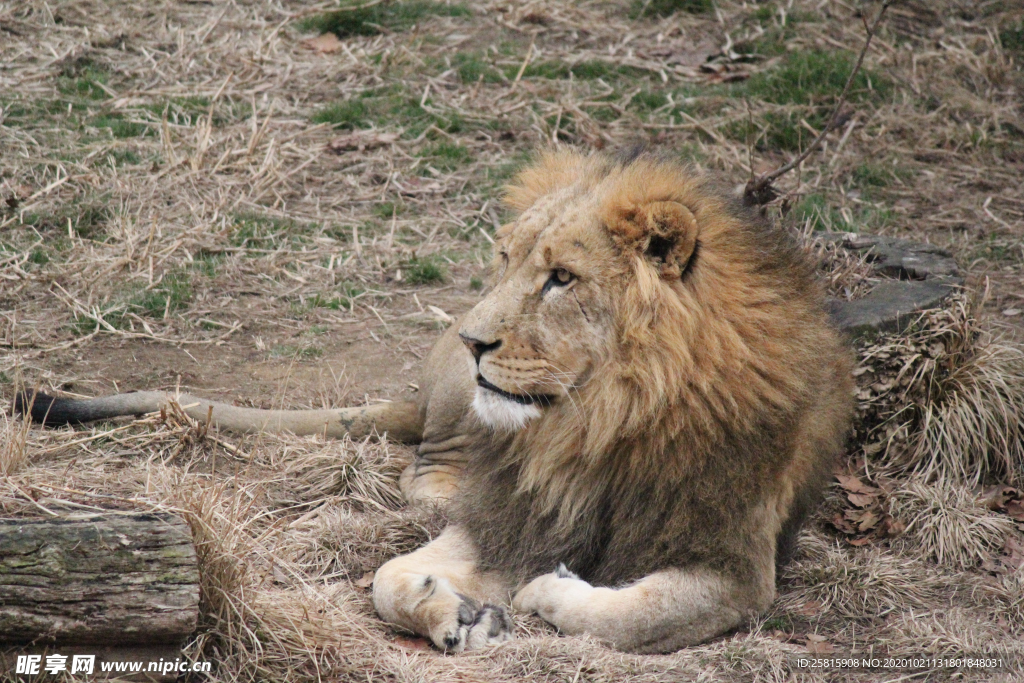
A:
(521, 399)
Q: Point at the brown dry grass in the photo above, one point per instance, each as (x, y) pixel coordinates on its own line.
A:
(170, 197)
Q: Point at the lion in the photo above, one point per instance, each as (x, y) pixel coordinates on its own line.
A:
(629, 428)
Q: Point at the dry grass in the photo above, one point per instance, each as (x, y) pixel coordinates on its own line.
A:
(193, 196)
(944, 399)
(948, 524)
(848, 275)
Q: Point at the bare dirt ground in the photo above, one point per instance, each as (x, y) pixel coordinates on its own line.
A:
(223, 198)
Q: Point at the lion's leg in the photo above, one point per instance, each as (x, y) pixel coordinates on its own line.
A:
(660, 613)
(437, 471)
(439, 592)
(446, 391)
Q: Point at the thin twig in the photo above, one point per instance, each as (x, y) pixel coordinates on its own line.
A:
(760, 191)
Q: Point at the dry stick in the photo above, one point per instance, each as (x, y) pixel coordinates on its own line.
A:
(760, 191)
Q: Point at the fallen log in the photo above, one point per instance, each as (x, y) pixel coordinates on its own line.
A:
(107, 579)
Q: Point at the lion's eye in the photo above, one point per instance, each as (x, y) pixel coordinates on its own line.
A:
(560, 277)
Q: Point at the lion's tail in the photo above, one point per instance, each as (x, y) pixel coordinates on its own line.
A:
(401, 420)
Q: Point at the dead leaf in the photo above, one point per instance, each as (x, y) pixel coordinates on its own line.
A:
(326, 43)
(868, 522)
(996, 498)
(361, 140)
(1014, 549)
(858, 542)
(818, 645)
(892, 527)
(840, 523)
(811, 608)
(861, 500)
(365, 581)
(854, 485)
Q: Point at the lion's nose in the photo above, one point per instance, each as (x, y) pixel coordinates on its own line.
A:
(478, 348)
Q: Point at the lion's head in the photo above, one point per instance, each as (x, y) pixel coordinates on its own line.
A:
(629, 274)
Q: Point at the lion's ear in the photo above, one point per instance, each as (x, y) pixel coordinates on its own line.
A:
(666, 233)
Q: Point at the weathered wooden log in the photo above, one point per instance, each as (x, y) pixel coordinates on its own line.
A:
(107, 579)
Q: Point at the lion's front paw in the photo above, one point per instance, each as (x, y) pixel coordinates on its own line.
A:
(491, 626)
(474, 626)
(556, 597)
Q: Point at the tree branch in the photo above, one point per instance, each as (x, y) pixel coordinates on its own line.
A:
(760, 191)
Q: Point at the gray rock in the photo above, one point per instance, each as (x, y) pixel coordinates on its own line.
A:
(921, 276)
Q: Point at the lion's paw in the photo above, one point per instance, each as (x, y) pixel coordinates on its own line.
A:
(475, 626)
(555, 597)
(491, 626)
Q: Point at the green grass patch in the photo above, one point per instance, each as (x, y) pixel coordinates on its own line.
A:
(777, 130)
(648, 100)
(387, 107)
(82, 77)
(38, 256)
(119, 127)
(871, 175)
(999, 250)
(206, 263)
(172, 294)
(258, 231)
(385, 210)
(124, 157)
(348, 114)
(664, 8)
(87, 218)
(472, 67)
(1012, 38)
(779, 623)
(334, 302)
(445, 156)
(815, 78)
(588, 70)
(424, 271)
(41, 112)
(185, 111)
(810, 82)
(476, 284)
(384, 16)
(296, 352)
(778, 29)
(823, 216)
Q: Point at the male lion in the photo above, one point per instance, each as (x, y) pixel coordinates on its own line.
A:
(637, 419)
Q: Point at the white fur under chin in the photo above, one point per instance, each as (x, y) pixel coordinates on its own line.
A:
(498, 412)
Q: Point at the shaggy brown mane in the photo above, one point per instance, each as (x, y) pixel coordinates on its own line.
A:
(693, 407)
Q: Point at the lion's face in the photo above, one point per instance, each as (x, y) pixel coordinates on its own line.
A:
(536, 337)
(563, 271)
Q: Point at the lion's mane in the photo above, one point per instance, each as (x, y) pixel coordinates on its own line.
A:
(719, 407)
